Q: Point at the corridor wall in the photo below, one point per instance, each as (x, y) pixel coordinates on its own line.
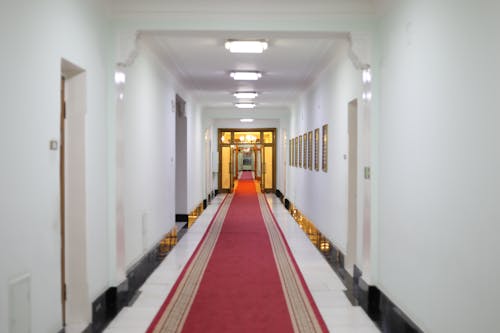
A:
(439, 160)
(319, 195)
(35, 36)
(149, 154)
(196, 156)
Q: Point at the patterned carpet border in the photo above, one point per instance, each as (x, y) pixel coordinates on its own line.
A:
(305, 317)
(173, 313)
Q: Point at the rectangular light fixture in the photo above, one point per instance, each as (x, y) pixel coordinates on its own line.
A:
(246, 46)
(251, 76)
(245, 94)
(247, 120)
(245, 105)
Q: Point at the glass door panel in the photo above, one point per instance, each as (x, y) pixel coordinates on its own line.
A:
(268, 168)
(225, 168)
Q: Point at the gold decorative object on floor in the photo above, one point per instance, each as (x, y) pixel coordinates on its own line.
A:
(314, 235)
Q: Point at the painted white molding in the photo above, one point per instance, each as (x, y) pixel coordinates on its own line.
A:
(358, 50)
(128, 48)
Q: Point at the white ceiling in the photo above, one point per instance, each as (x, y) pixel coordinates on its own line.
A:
(239, 6)
(202, 64)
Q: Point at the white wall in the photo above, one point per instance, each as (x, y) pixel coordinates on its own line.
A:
(196, 156)
(439, 160)
(35, 36)
(149, 154)
(321, 196)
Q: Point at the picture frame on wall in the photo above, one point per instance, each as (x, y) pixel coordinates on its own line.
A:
(324, 151)
(316, 149)
(300, 151)
(310, 150)
(296, 156)
(290, 152)
(304, 140)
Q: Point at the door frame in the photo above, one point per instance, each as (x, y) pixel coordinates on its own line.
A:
(76, 305)
(233, 143)
(352, 185)
(62, 198)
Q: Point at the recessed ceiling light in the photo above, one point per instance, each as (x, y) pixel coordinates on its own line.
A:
(245, 94)
(246, 120)
(246, 75)
(245, 105)
(246, 46)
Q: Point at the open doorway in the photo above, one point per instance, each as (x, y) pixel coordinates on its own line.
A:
(247, 150)
(352, 195)
(181, 208)
(75, 302)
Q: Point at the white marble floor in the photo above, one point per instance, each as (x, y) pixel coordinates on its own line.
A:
(327, 289)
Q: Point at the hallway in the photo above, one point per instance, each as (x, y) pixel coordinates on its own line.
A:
(326, 288)
(371, 125)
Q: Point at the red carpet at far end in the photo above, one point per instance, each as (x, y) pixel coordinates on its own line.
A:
(246, 175)
(233, 283)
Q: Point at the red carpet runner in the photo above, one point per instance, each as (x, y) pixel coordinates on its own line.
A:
(241, 278)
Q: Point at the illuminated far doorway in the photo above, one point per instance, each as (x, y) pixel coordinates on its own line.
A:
(247, 150)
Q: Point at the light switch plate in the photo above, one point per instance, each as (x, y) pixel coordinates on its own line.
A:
(367, 173)
(54, 145)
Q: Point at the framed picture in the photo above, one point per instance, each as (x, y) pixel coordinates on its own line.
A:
(296, 156)
(290, 152)
(316, 149)
(324, 151)
(300, 151)
(304, 165)
(309, 150)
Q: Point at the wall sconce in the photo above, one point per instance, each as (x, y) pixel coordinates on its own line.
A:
(367, 86)
(120, 79)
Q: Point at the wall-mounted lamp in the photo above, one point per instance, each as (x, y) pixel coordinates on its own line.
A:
(120, 77)
(367, 86)
(367, 96)
(249, 76)
(367, 75)
(246, 46)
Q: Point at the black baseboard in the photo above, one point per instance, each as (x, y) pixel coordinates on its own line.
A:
(287, 204)
(181, 217)
(387, 315)
(205, 203)
(114, 299)
(279, 194)
(216, 192)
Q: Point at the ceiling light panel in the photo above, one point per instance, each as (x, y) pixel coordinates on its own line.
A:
(246, 46)
(246, 120)
(245, 105)
(245, 94)
(246, 76)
